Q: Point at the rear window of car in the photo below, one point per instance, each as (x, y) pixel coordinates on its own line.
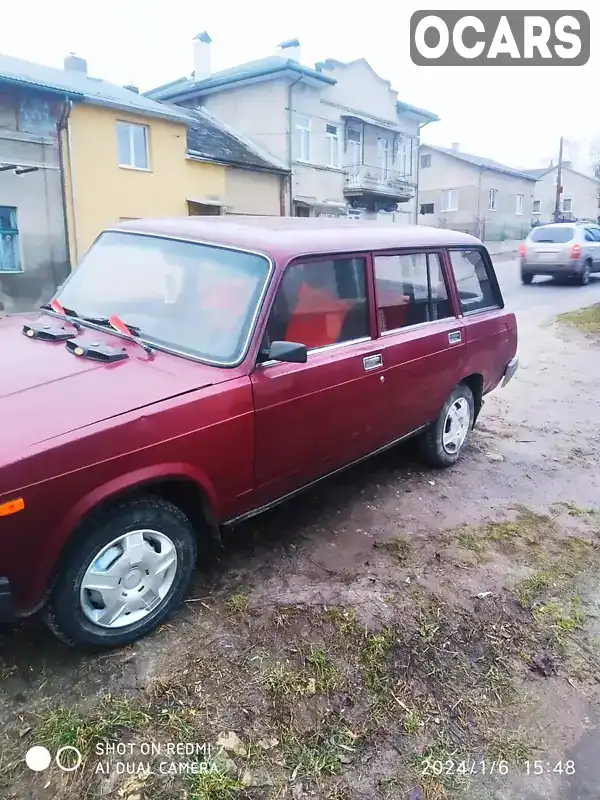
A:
(553, 234)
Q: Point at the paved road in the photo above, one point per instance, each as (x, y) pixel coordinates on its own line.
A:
(544, 294)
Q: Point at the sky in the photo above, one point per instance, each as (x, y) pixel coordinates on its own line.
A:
(515, 115)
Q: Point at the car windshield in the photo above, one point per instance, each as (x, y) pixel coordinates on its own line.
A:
(554, 234)
(198, 299)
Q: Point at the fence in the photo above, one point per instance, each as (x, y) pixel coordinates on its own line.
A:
(490, 230)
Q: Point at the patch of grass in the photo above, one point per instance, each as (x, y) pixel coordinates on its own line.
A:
(213, 783)
(320, 753)
(412, 722)
(344, 619)
(283, 681)
(398, 547)
(530, 589)
(469, 540)
(512, 750)
(558, 621)
(375, 659)
(237, 603)
(321, 671)
(584, 319)
(62, 727)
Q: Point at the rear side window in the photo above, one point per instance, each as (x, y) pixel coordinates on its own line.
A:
(476, 290)
(410, 290)
(321, 303)
(553, 234)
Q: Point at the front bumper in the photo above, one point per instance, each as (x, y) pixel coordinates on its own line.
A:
(7, 609)
(510, 370)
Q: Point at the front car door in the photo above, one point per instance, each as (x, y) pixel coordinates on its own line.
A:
(421, 338)
(314, 418)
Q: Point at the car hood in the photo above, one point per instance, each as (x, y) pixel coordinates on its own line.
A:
(47, 391)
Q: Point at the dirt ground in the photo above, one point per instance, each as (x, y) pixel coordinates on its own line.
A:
(396, 633)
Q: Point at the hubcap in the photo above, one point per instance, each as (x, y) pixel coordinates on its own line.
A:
(128, 579)
(456, 425)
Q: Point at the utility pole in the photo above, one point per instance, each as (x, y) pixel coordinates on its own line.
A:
(558, 182)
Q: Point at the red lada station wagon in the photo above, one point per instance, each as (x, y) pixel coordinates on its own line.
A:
(192, 373)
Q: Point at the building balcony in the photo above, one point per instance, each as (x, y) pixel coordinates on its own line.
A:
(378, 183)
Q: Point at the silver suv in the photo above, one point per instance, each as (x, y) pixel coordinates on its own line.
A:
(566, 250)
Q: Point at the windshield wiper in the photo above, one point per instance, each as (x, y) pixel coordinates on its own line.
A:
(56, 307)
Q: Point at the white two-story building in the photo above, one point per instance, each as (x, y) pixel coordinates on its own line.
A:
(351, 145)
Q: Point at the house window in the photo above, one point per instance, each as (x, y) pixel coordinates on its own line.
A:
(427, 208)
(303, 138)
(403, 155)
(492, 196)
(321, 303)
(10, 252)
(383, 152)
(449, 200)
(425, 161)
(475, 288)
(410, 290)
(354, 148)
(537, 206)
(133, 145)
(332, 133)
(519, 208)
(567, 205)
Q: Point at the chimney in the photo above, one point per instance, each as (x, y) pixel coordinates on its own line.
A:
(201, 45)
(131, 88)
(456, 145)
(73, 63)
(289, 49)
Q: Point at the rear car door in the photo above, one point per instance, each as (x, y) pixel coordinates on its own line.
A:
(489, 338)
(422, 339)
(315, 417)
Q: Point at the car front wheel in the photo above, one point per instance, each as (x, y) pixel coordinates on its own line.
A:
(584, 275)
(126, 571)
(442, 443)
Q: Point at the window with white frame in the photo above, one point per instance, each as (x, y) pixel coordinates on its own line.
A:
(354, 148)
(383, 153)
(132, 142)
(334, 152)
(403, 164)
(567, 205)
(492, 198)
(520, 201)
(425, 160)
(303, 138)
(537, 206)
(449, 200)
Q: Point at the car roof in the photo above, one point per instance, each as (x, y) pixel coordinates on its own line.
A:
(287, 237)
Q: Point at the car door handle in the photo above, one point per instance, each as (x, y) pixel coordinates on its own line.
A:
(454, 337)
(373, 362)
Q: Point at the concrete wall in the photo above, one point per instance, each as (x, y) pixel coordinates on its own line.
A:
(100, 192)
(473, 185)
(28, 137)
(582, 190)
(257, 110)
(248, 192)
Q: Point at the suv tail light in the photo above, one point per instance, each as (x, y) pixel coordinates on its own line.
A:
(576, 251)
(522, 250)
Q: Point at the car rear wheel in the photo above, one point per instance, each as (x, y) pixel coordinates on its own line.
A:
(584, 276)
(127, 571)
(442, 443)
(526, 277)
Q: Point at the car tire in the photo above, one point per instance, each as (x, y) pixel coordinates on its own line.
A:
(526, 278)
(149, 537)
(584, 276)
(434, 446)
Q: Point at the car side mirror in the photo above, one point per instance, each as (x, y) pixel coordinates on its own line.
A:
(292, 352)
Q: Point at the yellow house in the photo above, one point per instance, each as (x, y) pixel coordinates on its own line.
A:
(78, 154)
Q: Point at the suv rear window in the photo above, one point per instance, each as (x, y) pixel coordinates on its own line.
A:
(553, 234)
